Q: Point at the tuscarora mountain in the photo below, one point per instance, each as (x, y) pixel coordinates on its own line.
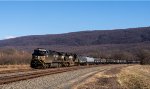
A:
(83, 38)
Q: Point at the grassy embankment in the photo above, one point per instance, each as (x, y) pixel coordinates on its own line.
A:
(131, 77)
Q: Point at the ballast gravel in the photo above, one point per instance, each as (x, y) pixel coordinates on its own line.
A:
(64, 80)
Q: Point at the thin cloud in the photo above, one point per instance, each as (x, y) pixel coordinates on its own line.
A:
(9, 37)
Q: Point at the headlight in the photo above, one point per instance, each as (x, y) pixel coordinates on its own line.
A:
(36, 57)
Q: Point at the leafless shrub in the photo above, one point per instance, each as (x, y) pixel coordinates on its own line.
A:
(12, 56)
(144, 56)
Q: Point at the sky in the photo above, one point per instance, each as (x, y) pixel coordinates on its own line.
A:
(21, 18)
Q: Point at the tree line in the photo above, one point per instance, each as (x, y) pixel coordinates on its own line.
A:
(13, 56)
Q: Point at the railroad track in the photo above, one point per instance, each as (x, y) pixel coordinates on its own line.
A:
(15, 71)
(24, 76)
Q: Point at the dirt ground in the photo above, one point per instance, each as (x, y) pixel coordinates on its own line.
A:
(129, 77)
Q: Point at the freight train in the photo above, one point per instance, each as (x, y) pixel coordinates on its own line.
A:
(42, 58)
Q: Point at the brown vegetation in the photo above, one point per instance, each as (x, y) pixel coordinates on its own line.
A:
(13, 56)
(135, 77)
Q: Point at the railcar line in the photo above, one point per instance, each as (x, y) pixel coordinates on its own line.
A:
(18, 77)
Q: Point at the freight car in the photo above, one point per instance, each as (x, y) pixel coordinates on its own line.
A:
(83, 60)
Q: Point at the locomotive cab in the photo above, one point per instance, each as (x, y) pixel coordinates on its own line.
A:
(40, 52)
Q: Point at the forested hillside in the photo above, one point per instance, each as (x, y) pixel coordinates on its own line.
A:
(98, 37)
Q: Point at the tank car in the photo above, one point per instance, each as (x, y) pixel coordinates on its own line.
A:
(83, 60)
(97, 61)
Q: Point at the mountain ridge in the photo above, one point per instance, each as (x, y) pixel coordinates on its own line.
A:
(83, 38)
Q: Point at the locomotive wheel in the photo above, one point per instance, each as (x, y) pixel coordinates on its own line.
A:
(59, 65)
(45, 66)
(68, 64)
(34, 64)
(49, 65)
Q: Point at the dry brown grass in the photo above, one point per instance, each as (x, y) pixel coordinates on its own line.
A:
(13, 67)
(135, 77)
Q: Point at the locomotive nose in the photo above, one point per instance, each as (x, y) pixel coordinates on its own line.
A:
(34, 63)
